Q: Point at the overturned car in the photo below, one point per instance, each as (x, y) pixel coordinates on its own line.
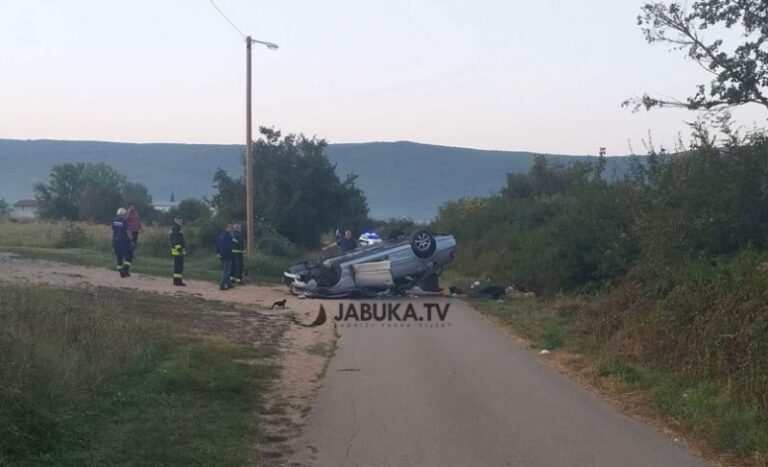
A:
(392, 266)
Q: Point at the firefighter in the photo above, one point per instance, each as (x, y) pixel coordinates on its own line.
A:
(178, 251)
(121, 242)
(238, 252)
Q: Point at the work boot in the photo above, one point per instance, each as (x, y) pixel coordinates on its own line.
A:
(127, 271)
(122, 272)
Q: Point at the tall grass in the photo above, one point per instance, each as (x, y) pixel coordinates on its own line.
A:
(718, 402)
(90, 244)
(86, 379)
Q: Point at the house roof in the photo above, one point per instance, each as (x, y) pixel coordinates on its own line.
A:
(26, 203)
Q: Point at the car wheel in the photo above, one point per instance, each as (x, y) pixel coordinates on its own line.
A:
(333, 275)
(423, 244)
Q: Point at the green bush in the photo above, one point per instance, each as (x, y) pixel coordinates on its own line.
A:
(73, 236)
(155, 242)
(260, 265)
(276, 245)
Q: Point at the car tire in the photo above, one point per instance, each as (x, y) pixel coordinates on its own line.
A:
(423, 244)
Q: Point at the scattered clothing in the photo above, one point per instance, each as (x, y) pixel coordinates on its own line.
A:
(491, 292)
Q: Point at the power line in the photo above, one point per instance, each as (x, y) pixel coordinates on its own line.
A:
(227, 19)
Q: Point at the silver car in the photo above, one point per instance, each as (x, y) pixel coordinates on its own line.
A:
(393, 266)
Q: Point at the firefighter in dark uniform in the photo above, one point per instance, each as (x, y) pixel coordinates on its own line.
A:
(238, 251)
(178, 251)
(121, 242)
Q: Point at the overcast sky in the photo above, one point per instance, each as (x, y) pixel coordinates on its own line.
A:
(546, 75)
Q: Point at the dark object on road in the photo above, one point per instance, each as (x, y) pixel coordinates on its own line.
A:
(319, 321)
(455, 290)
(491, 292)
(393, 266)
(278, 304)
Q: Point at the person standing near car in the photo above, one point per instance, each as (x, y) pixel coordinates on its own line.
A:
(121, 243)
(238, 253)
(224, 253)
(347, 243)
(178, 251)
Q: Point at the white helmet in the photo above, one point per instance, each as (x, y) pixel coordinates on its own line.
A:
(121, 212)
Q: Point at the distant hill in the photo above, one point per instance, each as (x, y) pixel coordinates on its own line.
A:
(400, 179)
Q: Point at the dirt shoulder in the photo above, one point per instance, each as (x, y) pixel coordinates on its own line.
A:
(304, 352)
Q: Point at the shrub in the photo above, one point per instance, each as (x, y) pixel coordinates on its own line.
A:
(73, 236)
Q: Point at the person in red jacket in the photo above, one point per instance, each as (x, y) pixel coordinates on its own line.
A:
(134, 223)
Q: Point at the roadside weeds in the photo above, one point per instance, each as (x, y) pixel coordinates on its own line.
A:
(697, 416)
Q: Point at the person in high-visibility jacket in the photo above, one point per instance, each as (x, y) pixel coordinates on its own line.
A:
(178, 251)
(238, 252)
(121, 243)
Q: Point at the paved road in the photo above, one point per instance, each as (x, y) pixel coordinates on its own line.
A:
(463, 395)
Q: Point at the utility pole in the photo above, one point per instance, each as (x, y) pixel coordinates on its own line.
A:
(248, 151)
(249, 140)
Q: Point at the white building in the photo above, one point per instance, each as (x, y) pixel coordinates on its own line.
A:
(25, 209)
(165, 207)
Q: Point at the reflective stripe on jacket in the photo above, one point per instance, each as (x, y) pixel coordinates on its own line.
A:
(238, 246)
(178, 245)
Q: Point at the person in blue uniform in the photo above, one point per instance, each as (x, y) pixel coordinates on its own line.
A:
(224, 252)
(121, 243)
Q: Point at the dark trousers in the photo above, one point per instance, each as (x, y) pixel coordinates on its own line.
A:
(237, 268)
(134, 243)
(226, 271)
(124, 255)
(178, 269)
(120, 254)
(128, 258)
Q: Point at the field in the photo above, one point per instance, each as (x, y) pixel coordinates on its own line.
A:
(106, 377)
(89, 244)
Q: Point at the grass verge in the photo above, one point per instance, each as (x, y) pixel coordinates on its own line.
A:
(722, 427)
(107, 377)
(262, 269)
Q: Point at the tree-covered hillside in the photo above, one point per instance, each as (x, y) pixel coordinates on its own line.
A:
(400, 179)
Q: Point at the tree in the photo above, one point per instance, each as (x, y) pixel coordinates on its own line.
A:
(739, 76)
(5, 209)
(87, 191)
(138, 194)
(191, 209)
(296, 190)
(229, 199)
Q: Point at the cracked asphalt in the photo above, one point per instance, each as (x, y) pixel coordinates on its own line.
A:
(463, 394)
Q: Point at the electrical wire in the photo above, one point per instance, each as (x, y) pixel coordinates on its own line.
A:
(227, 19)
